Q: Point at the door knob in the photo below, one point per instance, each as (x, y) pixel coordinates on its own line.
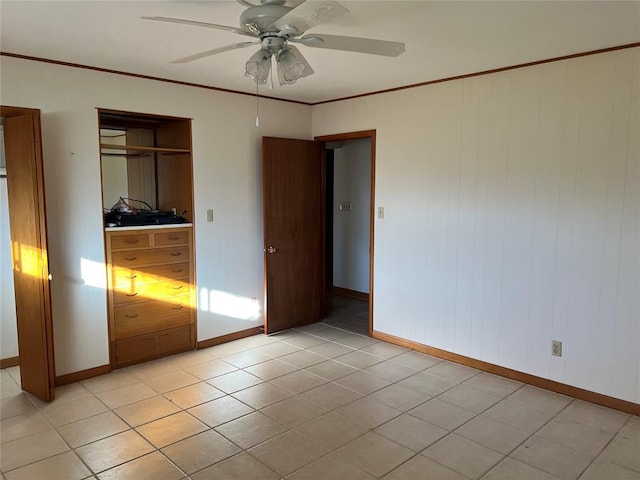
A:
(271, 249)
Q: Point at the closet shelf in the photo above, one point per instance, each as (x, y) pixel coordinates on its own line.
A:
(133, 149)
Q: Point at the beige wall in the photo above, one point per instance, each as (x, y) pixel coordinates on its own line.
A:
(511, 216)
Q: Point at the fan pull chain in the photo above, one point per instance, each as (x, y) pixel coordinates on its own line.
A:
(271, 75)
(257, 106)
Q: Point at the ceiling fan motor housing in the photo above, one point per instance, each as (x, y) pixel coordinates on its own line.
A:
(260, 19)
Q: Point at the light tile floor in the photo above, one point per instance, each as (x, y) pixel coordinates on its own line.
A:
(311, 403)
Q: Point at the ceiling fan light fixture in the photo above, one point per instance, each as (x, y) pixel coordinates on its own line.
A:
(258, 66)
(290, 67)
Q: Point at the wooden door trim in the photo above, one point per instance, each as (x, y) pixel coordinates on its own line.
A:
(347, 292)
(7, 111)
(11, 111)
(229, 337)
(82, 375)
(371, 134)
(9, 362)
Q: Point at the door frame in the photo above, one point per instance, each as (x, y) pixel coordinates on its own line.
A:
(47, 332)
(370, 134)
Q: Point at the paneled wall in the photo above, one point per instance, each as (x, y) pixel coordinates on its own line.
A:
(512, 212)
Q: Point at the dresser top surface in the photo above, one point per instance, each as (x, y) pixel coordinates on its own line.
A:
(147, 227)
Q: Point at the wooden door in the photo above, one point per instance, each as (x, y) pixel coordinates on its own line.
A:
(25, 187)
(293, 194)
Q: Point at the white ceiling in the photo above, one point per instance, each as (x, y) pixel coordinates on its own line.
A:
(443, 39)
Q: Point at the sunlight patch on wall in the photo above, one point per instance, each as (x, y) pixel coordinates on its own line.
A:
(93, 273)
(223, 303)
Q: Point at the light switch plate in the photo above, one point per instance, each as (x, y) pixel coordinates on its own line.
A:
(380, 213)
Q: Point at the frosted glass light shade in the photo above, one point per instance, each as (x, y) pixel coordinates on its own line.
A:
(292, 65)
(258, 66)
(290, 68)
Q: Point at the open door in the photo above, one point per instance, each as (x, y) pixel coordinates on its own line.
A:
(293, 192)
(25, 185)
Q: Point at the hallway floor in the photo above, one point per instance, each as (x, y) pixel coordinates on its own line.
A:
(312, 403)
(348, 313)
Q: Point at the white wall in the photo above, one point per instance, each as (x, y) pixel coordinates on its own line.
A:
(512, 216)
(8, 326)
(227, 176)
(352, 183)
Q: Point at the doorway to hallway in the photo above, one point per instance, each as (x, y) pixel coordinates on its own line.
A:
(349, 232)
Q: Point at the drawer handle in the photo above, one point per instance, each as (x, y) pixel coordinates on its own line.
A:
(176, 270)
(174, 238)
(131, 277)
(178, 307)
(178, 287)
(129, 259)
(131, 316)
(132, 294)
(163, 335)
(176, 254)
(131, 241)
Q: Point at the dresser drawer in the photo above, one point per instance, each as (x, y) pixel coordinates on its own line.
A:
(162, 291)
(125, 242)
(135, 349)
(149, 316)
(171, 238)
(123, 278)
(173, 340)
(145, 347)
(156, 256)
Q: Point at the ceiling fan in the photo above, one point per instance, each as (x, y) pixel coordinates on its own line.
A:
(276, 26)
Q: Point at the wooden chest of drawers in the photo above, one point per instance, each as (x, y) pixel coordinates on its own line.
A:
(151, 293)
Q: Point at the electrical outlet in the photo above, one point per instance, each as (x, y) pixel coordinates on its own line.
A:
(556, 348)
(345, 206)
(209, 215)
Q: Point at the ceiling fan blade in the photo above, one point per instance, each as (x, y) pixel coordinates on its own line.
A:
(352, 44)
(215, 51)
(202, 24)
(309, 14)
